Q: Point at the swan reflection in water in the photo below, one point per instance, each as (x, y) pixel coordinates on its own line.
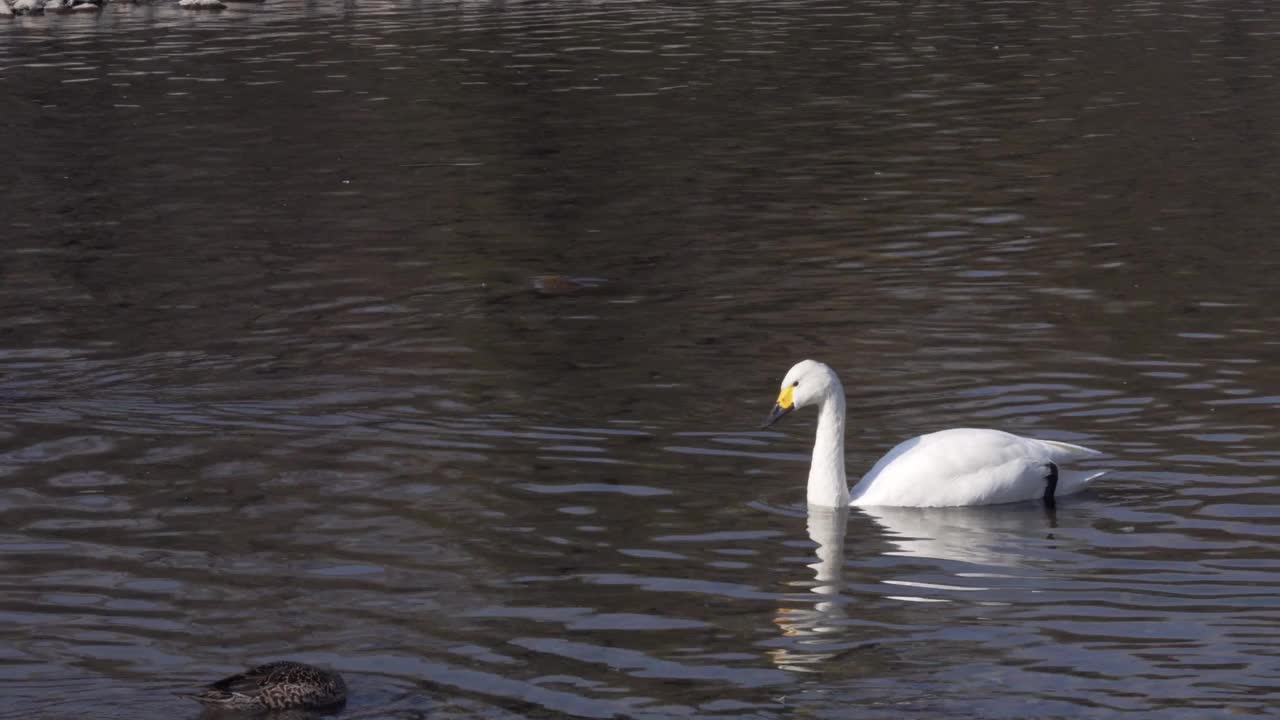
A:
(994, 543)
(998, 535)
(998, 548)
(815, 631)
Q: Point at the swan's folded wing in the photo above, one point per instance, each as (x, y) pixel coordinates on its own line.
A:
(964, 466)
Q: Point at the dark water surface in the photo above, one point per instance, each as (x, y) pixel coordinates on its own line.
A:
(283, 374)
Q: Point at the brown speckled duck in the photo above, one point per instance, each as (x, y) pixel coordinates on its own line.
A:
(283, 685)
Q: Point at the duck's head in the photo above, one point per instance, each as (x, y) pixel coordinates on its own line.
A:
(806, 383)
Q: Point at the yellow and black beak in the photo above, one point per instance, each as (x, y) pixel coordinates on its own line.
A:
(784, 405)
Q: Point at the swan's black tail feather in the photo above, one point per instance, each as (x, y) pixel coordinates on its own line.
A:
(1050, 484)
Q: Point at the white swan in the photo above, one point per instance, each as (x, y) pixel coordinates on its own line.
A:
(962, 466)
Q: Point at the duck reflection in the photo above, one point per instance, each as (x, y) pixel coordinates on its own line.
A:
(814, 630)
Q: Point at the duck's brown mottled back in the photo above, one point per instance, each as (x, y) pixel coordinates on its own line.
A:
(276, 686)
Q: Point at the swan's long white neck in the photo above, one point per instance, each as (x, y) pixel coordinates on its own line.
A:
(827, 484)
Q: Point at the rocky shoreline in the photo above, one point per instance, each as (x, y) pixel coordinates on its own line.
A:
(39, 7)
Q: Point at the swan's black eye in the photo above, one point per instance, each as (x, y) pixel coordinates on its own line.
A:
(795, 384)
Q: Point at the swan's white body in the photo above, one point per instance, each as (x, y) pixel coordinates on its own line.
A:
(962, 466)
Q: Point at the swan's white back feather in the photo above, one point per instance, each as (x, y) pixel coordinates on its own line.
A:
(968, 466)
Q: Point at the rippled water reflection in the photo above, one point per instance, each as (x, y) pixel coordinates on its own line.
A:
(426, 341)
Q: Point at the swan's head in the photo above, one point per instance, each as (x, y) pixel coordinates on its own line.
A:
(806, 383)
